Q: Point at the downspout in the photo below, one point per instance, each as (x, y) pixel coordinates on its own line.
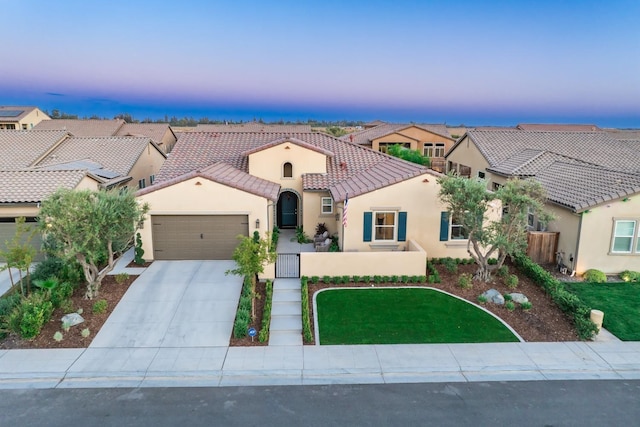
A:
(574, 264)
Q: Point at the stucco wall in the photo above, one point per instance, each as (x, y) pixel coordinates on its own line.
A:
(419, 198)
(313, 213)
(596, 236)
(411, 263)
(410, 135)
(567, 224)
(467, 153)
(32, 119)
(208, 198)
(267, 164)
(149, 163)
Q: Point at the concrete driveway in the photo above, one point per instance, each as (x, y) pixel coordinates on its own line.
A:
(175, 304)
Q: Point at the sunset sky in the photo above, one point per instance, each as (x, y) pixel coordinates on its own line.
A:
(459, 62)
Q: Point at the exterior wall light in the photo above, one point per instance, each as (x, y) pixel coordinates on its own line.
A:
(258, 223)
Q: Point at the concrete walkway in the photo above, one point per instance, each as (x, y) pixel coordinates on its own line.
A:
(286, 313)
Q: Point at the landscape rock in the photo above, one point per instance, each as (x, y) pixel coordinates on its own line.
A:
(72, 319)
(494, 296)
(519, 298)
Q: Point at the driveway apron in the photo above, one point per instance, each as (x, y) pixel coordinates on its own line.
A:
(175, 304)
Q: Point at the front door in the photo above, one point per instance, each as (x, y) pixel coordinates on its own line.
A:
(288, 210)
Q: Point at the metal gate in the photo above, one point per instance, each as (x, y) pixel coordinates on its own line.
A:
(288, 265)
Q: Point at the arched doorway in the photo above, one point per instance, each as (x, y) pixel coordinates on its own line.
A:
(287, 212)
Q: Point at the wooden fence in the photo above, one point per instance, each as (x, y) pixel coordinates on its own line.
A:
(542, 246)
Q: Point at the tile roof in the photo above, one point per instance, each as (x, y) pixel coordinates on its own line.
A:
(21, 148)
(226, 174)
(155, 131)
(81, 128)
(624, 134)
(15, 113)
(578, 169)
(198, 150)
(116, 153)
(558, 127)
(252, 127)
(295, 141)
(366, 136)
(33, 186)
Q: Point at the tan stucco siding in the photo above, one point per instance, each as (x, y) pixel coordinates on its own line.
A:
(312, 213)
(207, 198)
(148, 164)
(32, 119)
(415, 136)
(88, 183)
(466, 153)
(18, 211)
(168, 141)
(268, 164)
(567, 224)
(395, 138)
(596, 237)
(414, 196)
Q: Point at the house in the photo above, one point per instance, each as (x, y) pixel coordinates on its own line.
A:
(432, 141)
(37, 162)
(215, 186)
(20, 118)
(592, 183)
(160, 133)
(558, 127)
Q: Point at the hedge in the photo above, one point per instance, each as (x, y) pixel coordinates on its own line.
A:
(263, 336)
(568, 302)
(306, 321)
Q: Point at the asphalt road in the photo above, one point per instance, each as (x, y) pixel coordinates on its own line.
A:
(539, 403)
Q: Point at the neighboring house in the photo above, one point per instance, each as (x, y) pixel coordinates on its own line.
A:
(558, 127)
(35, 163)
(252, 127)
(160, 133)
(21, 118)
(592, 183)
(215, 186)
(432, 141)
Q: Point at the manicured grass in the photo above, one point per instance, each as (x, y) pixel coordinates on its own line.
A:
(403, 316)
(620, 303)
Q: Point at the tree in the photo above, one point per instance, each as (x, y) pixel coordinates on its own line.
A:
(404, 153)
(251, 255)
(468, 201)
(91, 226)
(20, 253)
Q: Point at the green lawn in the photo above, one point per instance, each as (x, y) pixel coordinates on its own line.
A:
(620, 303)
(403, 316)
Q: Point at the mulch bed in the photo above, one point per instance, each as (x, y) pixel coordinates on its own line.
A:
(256, 323)
(111, 291)
(545, 322)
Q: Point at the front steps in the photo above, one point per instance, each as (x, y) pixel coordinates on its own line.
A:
(286, 313)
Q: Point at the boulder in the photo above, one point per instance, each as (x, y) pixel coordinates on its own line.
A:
(494, 296)
(519, 298)
(72, 319)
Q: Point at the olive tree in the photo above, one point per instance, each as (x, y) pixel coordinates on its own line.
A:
(468, 200)
(91, 227)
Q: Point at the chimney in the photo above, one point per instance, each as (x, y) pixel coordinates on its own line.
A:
(351, 138)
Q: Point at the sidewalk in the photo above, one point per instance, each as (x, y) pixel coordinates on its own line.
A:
(297, 365)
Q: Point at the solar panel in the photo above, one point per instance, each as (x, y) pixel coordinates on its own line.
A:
(10, 113)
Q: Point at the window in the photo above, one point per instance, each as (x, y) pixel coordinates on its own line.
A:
(327, 205)
(152, 179)
(385, 226)
(141, 183)
(481, 175)
(458, 232)
(427, 151)
(625, 232)
(24, 126)
(287, 170)
(453, 167)
(531, 218)
(439, 151)
(384, 146)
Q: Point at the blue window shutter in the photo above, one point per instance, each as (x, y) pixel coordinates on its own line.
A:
(444, 226)
(367, 226)
(402, 226)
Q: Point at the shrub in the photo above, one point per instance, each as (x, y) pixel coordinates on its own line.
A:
(450, 265)
(526, 305)
(306, 322)
(394, 279)
(510, 305)
(28, 317)
(326, 279)
(507, 297)
(594, 276)
(414, 279)
(503, 271)
(345, 279)
(7, 304)
(336, 280)
(492, 261)
(61, 293)
(356, 279)
(50, 267)
(99, 307)
(263, 336)
(465, 281)
(122, 277)
(482, 298)
(315, 279)
(567, 301)
(366, 279)
(630, 276)
(67, 306)
(511, 281)
(377, 279)
(422, 279)
(138, 251)
(85, 333)
(405, 279)
(386, 279)
(431, 278)
(435, 260)
(58, 336)
(458, 260)
(241, 324)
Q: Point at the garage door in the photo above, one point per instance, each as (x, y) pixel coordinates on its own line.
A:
(197, 236)
(8, 232)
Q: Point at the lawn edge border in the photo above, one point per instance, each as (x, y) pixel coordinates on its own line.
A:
(316, 331)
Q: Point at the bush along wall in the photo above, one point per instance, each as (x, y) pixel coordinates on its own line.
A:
(243, 315)
(263, 336)
(306, 321)
(568, 302)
